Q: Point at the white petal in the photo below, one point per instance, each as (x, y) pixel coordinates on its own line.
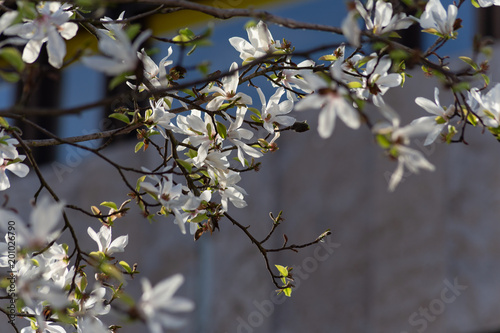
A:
(348, 114)
(32, 50)
(326, 121)
(56, 48)
(118, 245)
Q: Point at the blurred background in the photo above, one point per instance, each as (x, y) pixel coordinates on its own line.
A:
(425, 258)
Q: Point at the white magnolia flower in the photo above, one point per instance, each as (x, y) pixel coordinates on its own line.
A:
(436, 19)
(56, 260)
(261, 43)
(194, 207)
(291, 79)
(120, 55)
(155, 74)
(160, 116)
(50, 26)
(488, 3)
(273, 112)
(103, 240)
(200, 131)
(488, 105)
(230, 192)
(158, 305)
(399, 138)
(235, 134)
(41, 325)
(228, 91)
(15, 166)
(170, 196)
(217, 165)
(43, 220)
(93, 304)
(7, 147)
(33, 288)
(329, 98)
(383, 21)
(436, 125)
(376, 80)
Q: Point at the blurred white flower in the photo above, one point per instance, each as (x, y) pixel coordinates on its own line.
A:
(120, 55)
(328, 97)
(50, 26)
(158, 304)
(43, 220)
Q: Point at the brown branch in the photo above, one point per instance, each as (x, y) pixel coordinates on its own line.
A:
(11, 322)
(236, 12)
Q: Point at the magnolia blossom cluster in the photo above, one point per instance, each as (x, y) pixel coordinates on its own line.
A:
(206, 138)
(58, 296)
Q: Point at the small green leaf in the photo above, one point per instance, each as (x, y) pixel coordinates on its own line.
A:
(199, 218)
(254, 110)
(120, 117)
(138, 146)
(283, 270)
(4, 123)
(189, 92)
(191, 153)
(11, 77)
(111, 271)
(139, 181)
(187, 32)
(383, 141)
(13, 57)
(127, 299)
(472, 119)
(328, 57)
(475, 4)
(109, 204)
(221, 129)
(83, 283)
(451, 132)
(186, 165)
(203, 67)
(287, 292)
(125, 266)
(255, 118)
(469, 62)
(486, 79)
(117, 80)
(250, 24)
(209, 130)
(461, 86)
(440, 120)
(192, 50)
(133, 30)
(355, 84)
